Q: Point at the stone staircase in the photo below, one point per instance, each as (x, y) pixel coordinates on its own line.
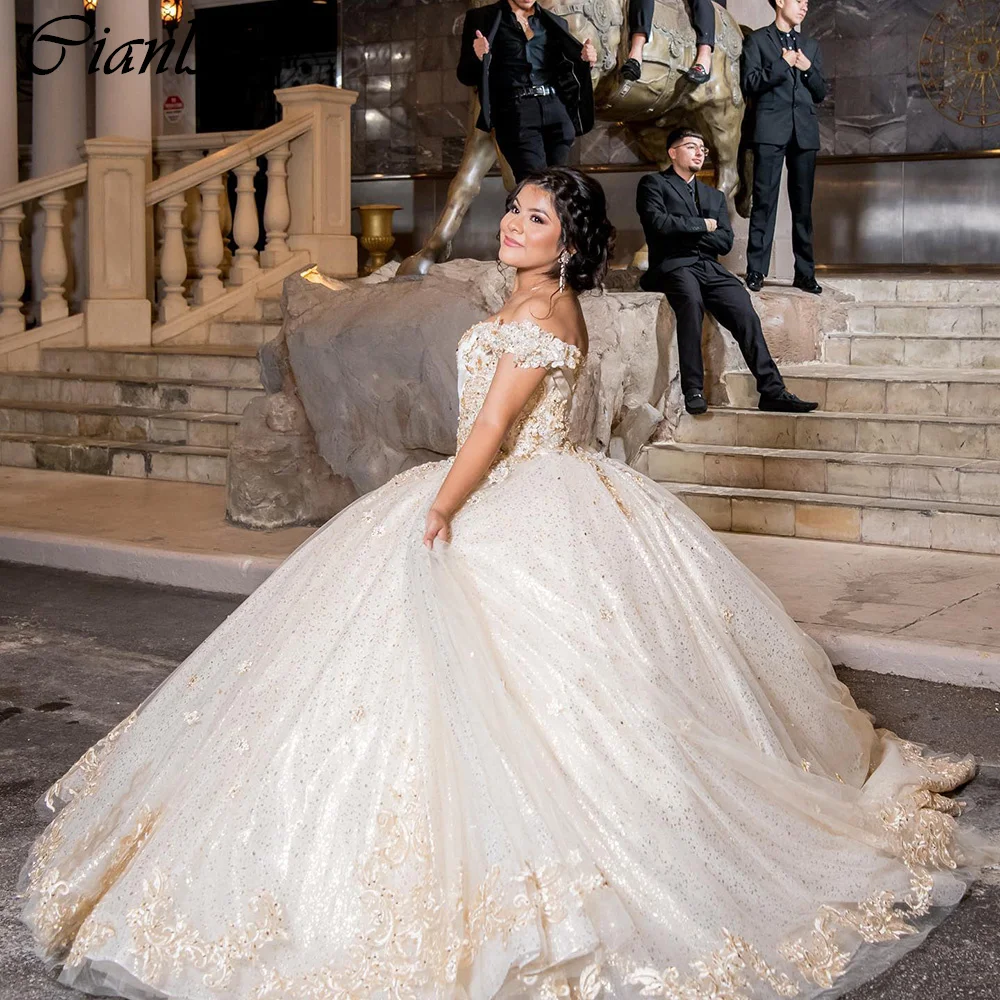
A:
(165, 412)
(904, 450)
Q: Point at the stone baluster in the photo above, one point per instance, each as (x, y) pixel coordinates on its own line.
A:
(277, 211)
(166, 163)
(54, 266)
(11, 270)
(192, 215)
(173, 260)
(225, 226)
(210, 248)
(246, 229)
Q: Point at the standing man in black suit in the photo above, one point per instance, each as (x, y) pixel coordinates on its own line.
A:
(533, 79)
(782, 74)
(686, 224)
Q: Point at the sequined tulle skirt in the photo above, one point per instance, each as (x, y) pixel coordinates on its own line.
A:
(580, 751)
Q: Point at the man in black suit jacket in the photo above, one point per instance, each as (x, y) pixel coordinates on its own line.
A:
(686, 224)
(533, 79)
(782, 75)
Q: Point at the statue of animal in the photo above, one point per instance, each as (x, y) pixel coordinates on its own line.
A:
(650, 107)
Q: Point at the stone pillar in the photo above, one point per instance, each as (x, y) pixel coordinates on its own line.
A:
(8, 95)
(755, 14)
(117, 310)
(59, 127)
(124, 100)
(319, 177)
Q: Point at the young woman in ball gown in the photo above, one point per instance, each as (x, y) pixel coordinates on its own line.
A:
(514, 725)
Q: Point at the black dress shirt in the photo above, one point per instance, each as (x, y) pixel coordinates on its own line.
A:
(789, 39)
(517, 60)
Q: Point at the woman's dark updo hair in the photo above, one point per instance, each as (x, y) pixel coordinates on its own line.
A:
(582, 210)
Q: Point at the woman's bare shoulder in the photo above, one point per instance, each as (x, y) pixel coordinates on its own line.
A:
(563, 319)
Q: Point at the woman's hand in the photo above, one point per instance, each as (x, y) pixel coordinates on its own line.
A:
(589, 53)
(438, 526)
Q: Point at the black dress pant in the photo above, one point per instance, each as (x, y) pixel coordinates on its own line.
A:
(706, 285)
(534, 133)
(640, 19)
(767, 164)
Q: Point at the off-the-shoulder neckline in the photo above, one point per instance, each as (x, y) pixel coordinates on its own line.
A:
(498, 323)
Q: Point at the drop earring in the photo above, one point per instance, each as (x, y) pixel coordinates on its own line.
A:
(563, 261)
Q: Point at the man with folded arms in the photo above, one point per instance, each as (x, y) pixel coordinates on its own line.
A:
(686, 224)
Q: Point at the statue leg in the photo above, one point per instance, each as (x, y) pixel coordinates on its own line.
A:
(479, 155)
(726, 124)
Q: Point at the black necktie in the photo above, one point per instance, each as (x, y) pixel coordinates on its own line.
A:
(694, 192)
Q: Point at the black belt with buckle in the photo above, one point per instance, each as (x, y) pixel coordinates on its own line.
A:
(541, 90)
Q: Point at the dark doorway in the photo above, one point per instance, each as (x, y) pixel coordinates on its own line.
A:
(246, 51)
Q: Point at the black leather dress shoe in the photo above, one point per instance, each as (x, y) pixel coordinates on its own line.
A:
(694, 402)
(785, 402)
(632, 69)
(698, 74)
(755, 281)
(808, 285)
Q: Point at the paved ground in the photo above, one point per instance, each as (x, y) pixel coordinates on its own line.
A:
(77, 653)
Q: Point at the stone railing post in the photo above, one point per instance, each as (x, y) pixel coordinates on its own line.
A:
(117, 310)
(319, 177)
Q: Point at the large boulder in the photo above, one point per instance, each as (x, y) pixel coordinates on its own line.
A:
(370, 364)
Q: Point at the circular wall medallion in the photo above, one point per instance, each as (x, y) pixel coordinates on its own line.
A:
(959, 62)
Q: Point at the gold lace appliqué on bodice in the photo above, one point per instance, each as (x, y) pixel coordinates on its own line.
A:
(543, 424)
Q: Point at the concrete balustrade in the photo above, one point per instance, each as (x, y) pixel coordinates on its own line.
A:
(162, 247)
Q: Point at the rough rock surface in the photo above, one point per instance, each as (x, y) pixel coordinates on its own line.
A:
(371, 365)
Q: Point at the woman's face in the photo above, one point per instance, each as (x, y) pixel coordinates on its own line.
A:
(530, 232)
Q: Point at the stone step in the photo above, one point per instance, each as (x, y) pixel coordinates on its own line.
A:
(957, 291)
(118, 423)
(925, 319)
(884, 389)
(243, 333)
(134, 460)
(270, 310)
(212, 363)
(936, 352)
(918, 524)
(124, 390)
(882, 434)
(913, 477)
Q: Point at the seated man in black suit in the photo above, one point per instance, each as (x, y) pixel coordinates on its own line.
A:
(687, 226)
(533, 81)
(640, 22)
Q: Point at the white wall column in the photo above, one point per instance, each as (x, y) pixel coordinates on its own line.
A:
(59, 100)
(124, 100)
(59, 127)
(755, 14)
(8, 95)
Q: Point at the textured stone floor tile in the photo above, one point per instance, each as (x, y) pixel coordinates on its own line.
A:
(734, 470)
(714, 511)
(763, 517)
(838, 524)
(667, 465)
(896, 527)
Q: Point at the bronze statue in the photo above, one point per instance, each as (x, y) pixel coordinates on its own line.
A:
(650, 107)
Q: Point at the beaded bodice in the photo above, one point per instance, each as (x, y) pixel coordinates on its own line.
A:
(543, 424)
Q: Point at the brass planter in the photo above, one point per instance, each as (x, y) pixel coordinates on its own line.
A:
(376, 233)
